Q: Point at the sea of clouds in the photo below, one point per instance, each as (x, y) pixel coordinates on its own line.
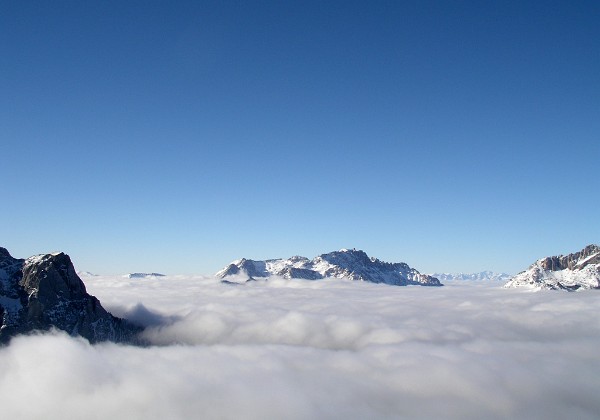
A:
(282, 349)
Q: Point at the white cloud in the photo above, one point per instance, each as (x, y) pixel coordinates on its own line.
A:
(326, 349)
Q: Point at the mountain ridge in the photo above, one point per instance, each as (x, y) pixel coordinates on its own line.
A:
(345, 263)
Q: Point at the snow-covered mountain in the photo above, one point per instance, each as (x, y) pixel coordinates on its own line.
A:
(482, 276)
(44, 291)
(86, 274)
(352, 264)
(577, 271)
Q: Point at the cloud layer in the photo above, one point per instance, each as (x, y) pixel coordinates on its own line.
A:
(326, 349)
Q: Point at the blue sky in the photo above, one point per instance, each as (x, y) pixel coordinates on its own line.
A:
(177, 136)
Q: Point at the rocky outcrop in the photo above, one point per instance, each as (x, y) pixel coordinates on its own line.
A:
(44, 292)
(352, 264)
(587, 256)
(577, 271)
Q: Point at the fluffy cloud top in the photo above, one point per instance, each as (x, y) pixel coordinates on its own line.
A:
(326, 349)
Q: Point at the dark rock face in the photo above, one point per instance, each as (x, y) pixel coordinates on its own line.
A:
(44, 291)
(299, 273)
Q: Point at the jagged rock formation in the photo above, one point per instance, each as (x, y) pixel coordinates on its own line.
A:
(482, 276)
(577, 271)
(351, 264)
(44, 291)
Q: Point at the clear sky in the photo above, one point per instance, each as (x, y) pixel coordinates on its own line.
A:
(178, 136)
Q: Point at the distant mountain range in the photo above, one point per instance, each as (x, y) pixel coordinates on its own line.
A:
(44, 291)
(129, 276)
(577, 271)
(86, 274)
(482, 276)
(346, 263)
(143, 275)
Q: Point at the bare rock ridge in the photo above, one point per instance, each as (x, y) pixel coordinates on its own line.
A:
(353, 264)
(44, 291)
(577, 271)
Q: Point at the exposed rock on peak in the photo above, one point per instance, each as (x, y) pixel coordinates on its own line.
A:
(4, 253)
(44, 291)
(353, 264)
(578, 260)
(50, 278)
(577, 271)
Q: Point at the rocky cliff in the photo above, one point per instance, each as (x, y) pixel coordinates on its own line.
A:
(44, 292)
(577, 271)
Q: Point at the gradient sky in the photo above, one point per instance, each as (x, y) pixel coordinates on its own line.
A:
(178, 136)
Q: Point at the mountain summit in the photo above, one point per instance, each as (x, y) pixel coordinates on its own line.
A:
(352, 264)
(44, 292)
(577, 271)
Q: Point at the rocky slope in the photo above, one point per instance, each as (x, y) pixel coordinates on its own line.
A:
(482, 276)
(577, 271)
(44, 292)
(351, 264)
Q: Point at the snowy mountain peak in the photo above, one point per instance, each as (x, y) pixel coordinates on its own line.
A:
(576, 271)
(352, 264)
(86, 274)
